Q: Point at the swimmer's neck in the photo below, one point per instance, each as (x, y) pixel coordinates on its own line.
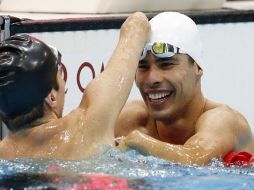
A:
(46, 118)
(181, 128)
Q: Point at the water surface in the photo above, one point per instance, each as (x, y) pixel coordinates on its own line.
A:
(142, 172)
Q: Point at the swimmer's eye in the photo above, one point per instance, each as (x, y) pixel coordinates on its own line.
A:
(143, 65)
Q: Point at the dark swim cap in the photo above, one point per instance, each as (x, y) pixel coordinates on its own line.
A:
(28, 69)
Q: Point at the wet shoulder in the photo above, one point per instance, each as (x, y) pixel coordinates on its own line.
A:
(136, 109)
(75, 118)
(222, 109)
(227, 115)
(133, 116)
(234, 121)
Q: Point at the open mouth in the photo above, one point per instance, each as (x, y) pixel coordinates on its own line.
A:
(159, 97)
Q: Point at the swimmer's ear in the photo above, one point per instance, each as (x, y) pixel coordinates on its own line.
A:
(198, 70)
(51, 100)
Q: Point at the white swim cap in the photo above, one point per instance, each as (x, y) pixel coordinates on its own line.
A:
(179, 30)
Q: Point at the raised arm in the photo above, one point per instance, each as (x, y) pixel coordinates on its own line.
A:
(105, 96)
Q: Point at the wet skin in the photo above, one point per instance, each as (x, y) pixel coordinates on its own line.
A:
(82, 132)
(175, 121)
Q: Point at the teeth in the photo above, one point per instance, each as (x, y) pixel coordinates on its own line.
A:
(158, 95)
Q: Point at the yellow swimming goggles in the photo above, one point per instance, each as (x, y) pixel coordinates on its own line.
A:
(161, 50)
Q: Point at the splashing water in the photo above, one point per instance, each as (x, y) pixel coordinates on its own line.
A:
(144, 172)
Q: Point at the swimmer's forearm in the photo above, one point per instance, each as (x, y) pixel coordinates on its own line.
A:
(114, 83)
(105, 95)
(133, 36)
(176, 153)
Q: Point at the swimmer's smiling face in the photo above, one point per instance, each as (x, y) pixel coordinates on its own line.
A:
(166, 84)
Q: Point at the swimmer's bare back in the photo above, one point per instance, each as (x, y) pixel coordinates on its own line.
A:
(83, 131)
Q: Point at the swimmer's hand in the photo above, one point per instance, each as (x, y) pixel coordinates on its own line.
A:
(136, 28)
(121, 144)
(134, 140)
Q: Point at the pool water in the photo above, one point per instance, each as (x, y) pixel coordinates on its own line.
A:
(141, 172)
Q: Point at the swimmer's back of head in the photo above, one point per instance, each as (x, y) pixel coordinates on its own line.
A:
(28, 69)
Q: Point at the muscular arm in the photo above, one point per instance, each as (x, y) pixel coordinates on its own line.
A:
(105, 96)
(218, 131)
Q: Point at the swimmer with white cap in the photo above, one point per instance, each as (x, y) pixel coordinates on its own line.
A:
(174, 121)
(32, 94)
